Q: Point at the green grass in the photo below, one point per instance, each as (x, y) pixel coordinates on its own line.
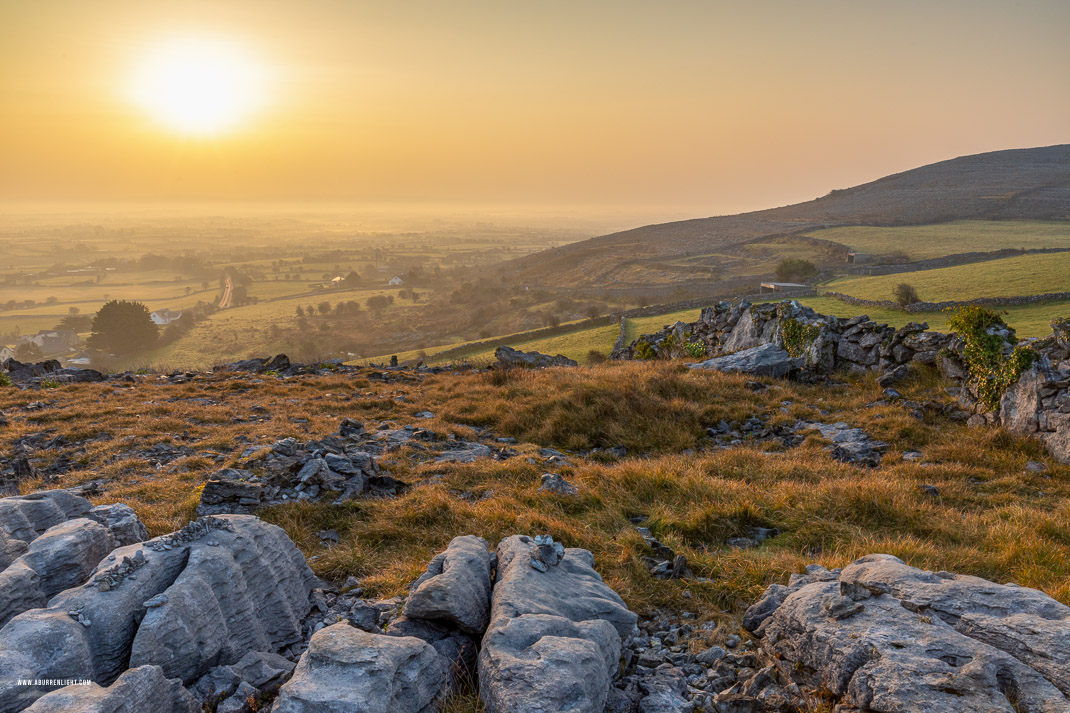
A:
(1026, 275)
(928, 241)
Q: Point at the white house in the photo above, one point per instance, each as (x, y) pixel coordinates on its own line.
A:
(395, 281)
(164, 317)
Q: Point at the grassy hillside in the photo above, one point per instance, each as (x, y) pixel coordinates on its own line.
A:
(992, 517)
(921, 242)
(1026, 275)
(1019, 184)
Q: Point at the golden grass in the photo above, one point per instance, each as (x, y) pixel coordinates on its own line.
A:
(992, 518)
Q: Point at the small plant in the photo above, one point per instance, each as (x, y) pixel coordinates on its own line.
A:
(905, 295)
(596, 357)
(50, 384)
(989, 370)
(645, 351)
(695, 350)
(798, 336)
(5, 380)
(271, 372)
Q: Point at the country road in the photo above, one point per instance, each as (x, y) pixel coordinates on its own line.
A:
(228, 291)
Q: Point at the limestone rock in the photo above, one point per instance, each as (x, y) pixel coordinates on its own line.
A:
(213, 591)
(346, 669)
(509, 357)
(61, 558)
(138, 690)
(538, 662)
(239, 591)
(121, 521)
(762, 360)
(456, 587)
(27, 516)
(554, 636)
(554, 483)
(884, 636)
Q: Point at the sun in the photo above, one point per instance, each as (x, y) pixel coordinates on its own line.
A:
(198, 86)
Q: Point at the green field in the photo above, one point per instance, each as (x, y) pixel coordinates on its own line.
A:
(929, 241)
(1026, 275)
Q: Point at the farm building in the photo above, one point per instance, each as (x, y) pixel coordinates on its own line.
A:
(51, 341)
(395, 281)
(164, 317)
(857, 258)
(782, 286)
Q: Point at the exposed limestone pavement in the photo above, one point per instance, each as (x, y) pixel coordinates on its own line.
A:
(883, 636)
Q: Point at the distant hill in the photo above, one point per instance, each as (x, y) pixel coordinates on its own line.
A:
(1014, 184)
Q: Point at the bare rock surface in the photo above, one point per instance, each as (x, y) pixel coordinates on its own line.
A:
(200, 597)
(346, 669)
(762, 360)
(25, 517)
(886, 637)
(456, 586)
(555, 632)
(59, 559)
(509, 357)
(138, 690)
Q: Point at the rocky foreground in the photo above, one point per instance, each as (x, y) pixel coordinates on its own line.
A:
(226, 615)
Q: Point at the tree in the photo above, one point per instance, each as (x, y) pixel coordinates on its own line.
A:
(300, 311)
(28, 351)
(325, 307)
(795, 270)
(379, 302)
(122, 327)
(76, 322)
(905, 295)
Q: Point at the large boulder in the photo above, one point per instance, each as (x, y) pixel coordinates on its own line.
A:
(456, 586)
(138, 690)
(346, 670)
(763, 360)
(59, 559)
(25, 517)
(197, 598)
(555, 632)
(883, 636)
(509, 357)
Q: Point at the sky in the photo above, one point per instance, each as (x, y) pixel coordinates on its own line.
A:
(701, 107)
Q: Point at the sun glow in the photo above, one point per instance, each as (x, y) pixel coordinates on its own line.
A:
(198, 86)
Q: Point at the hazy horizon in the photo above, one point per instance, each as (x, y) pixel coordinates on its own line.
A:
(683, 109)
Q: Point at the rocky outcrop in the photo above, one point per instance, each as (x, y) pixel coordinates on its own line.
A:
(1038, 404)
(764, 360)
(201, 597)
(509, 358)
(36, 564)
(32, 374)
(456, 587)
(346, 669)
(815, 344)
(883, 636)
(554, 636)
(141, 689)
(59, 559)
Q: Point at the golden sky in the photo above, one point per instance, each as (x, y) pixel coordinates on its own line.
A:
(705, 106)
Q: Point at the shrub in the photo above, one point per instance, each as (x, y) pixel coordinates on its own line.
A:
(989, 370)
(795, 269)
(695, 350)
(645, 351)
(596, 357)
(905, 294)
(5, 380)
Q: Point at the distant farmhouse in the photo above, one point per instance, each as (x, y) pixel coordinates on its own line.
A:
(395, 281)
(782, 286)
(857, 258)
(52, 342)
(164, 317)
